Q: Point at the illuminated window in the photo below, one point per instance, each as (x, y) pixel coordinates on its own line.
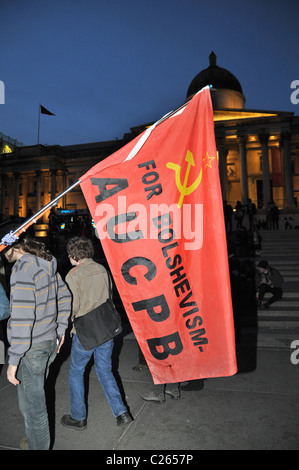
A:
(6, 149)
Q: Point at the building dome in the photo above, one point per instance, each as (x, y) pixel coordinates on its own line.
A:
(226, 92)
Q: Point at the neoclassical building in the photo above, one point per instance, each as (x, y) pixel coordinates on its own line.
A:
(258, 150)
(258, 155)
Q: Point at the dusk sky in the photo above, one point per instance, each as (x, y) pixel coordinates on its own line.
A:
(104, 66)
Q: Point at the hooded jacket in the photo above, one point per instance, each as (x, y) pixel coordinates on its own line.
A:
(40, 305)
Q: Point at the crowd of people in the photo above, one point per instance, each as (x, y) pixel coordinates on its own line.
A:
(36, 333)
(73, 283)
(248, 212)
(62, 228)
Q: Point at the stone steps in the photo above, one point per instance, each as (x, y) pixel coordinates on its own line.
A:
(278, 326)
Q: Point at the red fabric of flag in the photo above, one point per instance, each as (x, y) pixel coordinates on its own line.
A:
(159, 215)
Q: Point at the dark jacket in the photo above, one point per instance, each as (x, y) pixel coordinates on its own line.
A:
(273, 278)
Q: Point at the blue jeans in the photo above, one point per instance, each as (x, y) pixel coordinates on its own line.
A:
(102, 363)
(32, 372)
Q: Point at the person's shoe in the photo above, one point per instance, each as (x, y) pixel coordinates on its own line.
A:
(151, 396)
(124, 419)
(174, 394)
(69, 422)
(197, 384)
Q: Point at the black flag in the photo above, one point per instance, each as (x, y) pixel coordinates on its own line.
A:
(45, 111)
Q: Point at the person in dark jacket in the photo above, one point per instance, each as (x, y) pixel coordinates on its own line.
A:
(268, 279)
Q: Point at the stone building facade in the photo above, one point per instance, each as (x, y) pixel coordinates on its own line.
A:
(258, 156)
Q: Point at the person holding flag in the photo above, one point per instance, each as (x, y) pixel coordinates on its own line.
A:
(168, 253)
(40, 307)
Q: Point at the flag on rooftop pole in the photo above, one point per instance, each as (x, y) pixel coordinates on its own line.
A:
(42, 110)
(158, 210)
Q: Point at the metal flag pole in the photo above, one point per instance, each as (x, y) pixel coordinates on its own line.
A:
(42, 211)
(16, 233)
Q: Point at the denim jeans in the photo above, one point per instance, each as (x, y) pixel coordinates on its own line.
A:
(32, 372)
(102, 363)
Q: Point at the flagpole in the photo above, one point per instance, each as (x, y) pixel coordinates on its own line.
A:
(42, 211)
(39, 214)
(38, 124)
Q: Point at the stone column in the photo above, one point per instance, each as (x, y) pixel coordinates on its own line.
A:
(266, 173)
(287, 164)
(53, 184)
(64, 181)
(16, 193)
(38, 190)
(24, 186)
(3, 182)
(242, 139)
(222, 153)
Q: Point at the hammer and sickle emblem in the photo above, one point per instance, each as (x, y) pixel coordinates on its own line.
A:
(182, 187)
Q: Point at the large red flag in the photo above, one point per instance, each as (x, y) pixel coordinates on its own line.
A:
(158, 210)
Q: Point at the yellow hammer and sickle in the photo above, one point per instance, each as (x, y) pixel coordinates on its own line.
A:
(183, 188)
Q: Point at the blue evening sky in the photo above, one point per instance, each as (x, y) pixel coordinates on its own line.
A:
(103, 66)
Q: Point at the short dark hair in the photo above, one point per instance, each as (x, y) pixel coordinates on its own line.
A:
(79, 248)
(263, 264)
(33, 246)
